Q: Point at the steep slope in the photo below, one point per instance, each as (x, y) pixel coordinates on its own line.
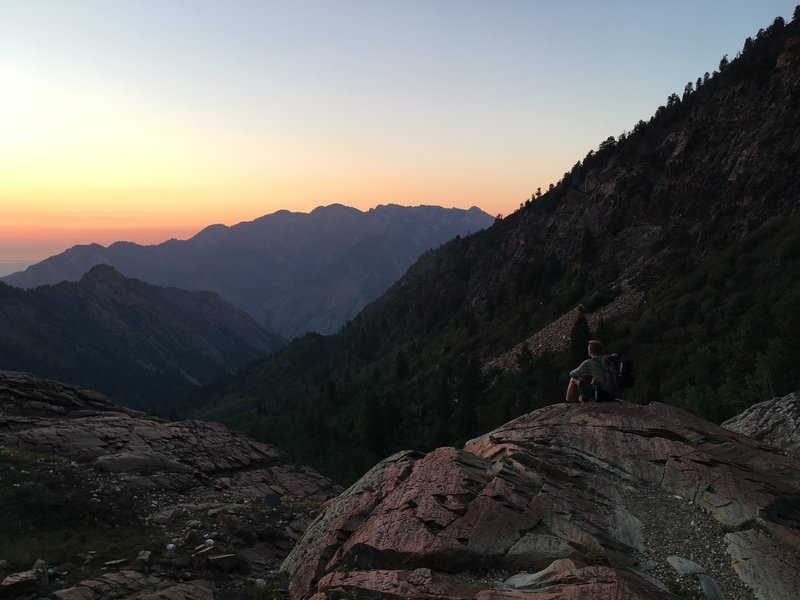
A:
(590, 501)
(90, 488)
(293, 272)
(141, 344)
(680, 241)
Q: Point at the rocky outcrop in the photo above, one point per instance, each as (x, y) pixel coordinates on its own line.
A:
(47, 417)
(590, 501)
(775, 422)
(208, 502)
(131, 584)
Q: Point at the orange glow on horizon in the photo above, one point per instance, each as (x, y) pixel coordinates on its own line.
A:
(90, 161)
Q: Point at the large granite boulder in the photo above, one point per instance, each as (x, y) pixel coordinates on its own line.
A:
(569, 501)
(775, 422)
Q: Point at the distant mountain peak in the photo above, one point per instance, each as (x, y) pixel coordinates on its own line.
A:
(102, 271)
(336, 207)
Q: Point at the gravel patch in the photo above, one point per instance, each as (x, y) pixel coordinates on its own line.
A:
(555, 336)
(676, 526)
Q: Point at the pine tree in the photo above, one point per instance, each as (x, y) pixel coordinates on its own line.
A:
(578, 340)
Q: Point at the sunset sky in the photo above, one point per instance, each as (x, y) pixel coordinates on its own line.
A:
(149, 119)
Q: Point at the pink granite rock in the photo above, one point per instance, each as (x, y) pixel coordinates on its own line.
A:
(542, 492)
(45, 416)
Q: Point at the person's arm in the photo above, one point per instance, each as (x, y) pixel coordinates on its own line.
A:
(583, 370)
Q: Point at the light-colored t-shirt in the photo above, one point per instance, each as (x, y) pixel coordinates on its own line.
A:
(599, 369)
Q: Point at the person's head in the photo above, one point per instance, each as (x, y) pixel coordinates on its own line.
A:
(595, 347)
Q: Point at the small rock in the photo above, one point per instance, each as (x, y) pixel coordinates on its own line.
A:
(710, 587)
(40, 568)
(684, 566)
(192, 538)
(19, 584)
(114, 563)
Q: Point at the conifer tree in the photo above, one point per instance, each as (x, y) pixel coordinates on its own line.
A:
(578, 340)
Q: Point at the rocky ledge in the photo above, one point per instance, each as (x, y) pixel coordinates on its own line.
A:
(592, 501)
(775, 422)
(82, 474)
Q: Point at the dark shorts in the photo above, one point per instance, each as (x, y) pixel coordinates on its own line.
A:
(592, 393)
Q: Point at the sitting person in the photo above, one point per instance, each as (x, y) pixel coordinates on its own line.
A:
(594, 378)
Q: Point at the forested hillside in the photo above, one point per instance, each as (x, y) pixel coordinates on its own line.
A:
(141, 344)
(690, 217)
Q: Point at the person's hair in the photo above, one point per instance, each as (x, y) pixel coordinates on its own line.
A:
(595, 346)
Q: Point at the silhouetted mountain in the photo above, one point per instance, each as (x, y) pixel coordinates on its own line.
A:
(138, 343)
(293, 272)
(678, 244)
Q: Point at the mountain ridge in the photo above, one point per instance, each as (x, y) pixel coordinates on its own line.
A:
(139, 343)
(293, 272)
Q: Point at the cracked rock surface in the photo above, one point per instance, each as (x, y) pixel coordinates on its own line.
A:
(570, 501)
(178, 510)
(775, 422)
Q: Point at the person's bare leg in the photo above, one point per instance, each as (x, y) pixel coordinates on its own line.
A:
(572, 389)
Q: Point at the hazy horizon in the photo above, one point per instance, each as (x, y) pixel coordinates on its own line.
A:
(144, 121)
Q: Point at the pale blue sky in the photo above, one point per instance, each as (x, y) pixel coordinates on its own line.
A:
(134, 115)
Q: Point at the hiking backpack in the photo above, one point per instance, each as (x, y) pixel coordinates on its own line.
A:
(623, 368)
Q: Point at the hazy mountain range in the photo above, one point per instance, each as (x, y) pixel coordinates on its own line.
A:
(293, 272)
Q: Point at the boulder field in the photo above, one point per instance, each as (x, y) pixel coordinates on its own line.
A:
(586, 501)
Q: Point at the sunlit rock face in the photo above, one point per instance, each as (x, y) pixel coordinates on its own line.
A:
(566, 502)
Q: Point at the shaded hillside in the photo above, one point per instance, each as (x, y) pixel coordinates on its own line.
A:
(138, 343)
(693, 215)
(293, 272)
(114, 503)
